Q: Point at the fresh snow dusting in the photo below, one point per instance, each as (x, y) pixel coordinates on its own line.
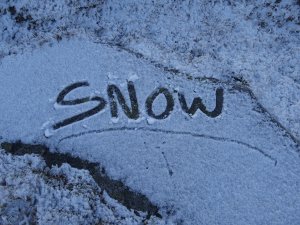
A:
(257, 41)
(193, 165)
(32, 193)
(112, 83)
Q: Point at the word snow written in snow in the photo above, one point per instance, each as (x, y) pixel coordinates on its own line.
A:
(132, 110)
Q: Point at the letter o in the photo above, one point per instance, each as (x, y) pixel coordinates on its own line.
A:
(169, 106)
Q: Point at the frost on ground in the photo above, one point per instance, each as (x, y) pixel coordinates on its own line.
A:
(241, 167)
(32, 193)
(254, 41)
(193, 166)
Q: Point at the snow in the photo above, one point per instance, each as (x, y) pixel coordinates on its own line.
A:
(255, 40)
(239, 158)
(133, 77)
(240, 167)
(31, 191)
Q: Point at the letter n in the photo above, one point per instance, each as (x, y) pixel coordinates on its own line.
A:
(115, 94)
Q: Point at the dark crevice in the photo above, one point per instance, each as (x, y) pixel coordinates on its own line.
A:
(116, 189)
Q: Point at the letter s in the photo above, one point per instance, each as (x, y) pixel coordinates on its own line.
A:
(61, 101)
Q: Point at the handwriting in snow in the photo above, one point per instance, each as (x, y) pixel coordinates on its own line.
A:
(131, 109)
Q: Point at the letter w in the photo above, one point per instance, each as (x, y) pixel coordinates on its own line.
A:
(197, 104)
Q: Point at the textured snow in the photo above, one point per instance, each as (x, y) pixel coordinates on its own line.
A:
(239, 168)
(254, 40)
(32, 193)
(203, 170)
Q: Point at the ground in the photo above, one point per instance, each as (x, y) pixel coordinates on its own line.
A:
(233, 160)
